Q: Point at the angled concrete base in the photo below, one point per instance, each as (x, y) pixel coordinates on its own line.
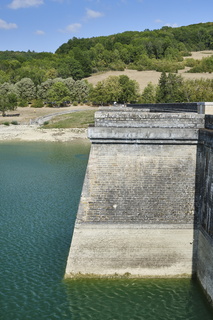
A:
(139, 251)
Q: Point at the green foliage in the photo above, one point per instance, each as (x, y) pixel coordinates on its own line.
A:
(80, 119)
(7, 102)
(169, 88)
(160, 50)
(58, 93)
(33, 76)
(198, 90)
(22, 103)
(15, 123)
(205, 65)
(37, 103)
(119, 89)
(172, 88)
(25, 89)
(149, 94)
(129, 90)
(6, 123)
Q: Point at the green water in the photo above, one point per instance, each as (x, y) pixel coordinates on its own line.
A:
(40, 186)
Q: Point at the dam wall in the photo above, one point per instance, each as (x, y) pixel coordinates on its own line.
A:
(204, 207)
(137, 210)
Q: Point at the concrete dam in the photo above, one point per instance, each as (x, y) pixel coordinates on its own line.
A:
(146, 208)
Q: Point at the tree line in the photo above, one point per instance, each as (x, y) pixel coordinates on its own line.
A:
(173, 88)
(160, 50)
(121, 89)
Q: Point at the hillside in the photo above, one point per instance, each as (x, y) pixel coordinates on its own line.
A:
(144, 77)
(161, 50)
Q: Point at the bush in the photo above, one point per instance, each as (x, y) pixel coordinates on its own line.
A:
(23, 103)
(15, 123)
(6, 123)
(46, 123)
(37, 104)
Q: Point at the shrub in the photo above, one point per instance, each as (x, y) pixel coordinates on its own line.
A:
(6, 123)
(23, 103)
(37, 104)
(14, 123)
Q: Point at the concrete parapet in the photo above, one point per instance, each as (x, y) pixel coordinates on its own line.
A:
(140, 119)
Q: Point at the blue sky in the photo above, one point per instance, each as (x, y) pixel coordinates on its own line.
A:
(44, 25)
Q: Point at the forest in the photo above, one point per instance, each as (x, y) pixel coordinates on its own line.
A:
(60, 77)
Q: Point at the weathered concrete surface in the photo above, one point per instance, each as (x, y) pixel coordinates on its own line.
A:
(136, 213)
(128, 118)
(208, 107)
(107, 250)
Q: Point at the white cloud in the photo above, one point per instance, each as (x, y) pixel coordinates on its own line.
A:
(39, 32)
(173, 25)
(71, 28)
(17, 4)
(158, 21)
(7, 26)
(91, 14)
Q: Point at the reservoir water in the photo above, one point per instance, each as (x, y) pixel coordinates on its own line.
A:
(40, 187)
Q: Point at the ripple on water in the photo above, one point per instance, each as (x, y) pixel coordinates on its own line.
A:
(40, 186)
(136, 299)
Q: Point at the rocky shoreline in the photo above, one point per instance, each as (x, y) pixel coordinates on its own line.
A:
(36, 133)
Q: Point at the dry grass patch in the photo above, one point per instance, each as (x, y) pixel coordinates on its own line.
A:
(144, 77)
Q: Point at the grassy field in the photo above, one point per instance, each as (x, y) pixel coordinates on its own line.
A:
(80, 119)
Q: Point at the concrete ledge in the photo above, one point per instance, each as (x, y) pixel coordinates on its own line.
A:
(147, 134)
(133, 226)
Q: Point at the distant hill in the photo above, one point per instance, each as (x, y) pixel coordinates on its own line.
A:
(160, 50)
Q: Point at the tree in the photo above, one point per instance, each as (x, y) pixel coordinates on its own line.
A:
(149, 94)
(98, 93)
(170, 88)
(70, 67)
(129, 89)
(26, 89)
(113, 89)
(8, 102)
(120, 89)
(80, 91)
(43, 89)
(6, 88)
(58, 93)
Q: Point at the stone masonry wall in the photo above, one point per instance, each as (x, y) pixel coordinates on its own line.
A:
(136, 213)
(205, 209)
(139, 183)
